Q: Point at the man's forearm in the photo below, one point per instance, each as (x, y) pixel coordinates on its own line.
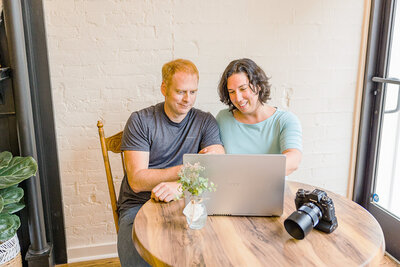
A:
(147, 179)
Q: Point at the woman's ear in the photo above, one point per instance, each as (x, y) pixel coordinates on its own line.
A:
(255, 89)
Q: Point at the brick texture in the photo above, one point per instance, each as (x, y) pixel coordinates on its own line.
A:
(106, 57)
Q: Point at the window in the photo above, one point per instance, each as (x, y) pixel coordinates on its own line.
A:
(378, 156)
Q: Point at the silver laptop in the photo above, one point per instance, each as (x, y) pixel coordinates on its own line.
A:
(247, 185)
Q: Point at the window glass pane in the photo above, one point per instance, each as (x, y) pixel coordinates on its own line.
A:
(388, 172)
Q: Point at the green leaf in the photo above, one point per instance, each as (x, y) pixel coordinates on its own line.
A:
(13, 208)
(6, 222)
(19, 169)
(11, 194)
(192, 181)
(5, 158)
(1, 203)
(9, 224)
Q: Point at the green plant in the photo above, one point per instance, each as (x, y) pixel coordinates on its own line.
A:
(192, 181)
(13, 170)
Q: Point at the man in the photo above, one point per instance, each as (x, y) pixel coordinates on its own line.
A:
(154, 141)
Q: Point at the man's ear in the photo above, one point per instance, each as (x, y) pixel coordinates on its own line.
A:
(164, 88)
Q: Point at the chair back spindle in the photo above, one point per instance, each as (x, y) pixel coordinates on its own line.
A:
(113, 144)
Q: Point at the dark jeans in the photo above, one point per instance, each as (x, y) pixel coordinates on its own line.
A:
(127, 253)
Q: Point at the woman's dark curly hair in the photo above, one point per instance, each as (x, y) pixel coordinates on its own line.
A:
(257, 78)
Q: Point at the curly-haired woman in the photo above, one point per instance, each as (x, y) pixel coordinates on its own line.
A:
(250, 125)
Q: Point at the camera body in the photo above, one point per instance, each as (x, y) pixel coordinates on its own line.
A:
(328, 221)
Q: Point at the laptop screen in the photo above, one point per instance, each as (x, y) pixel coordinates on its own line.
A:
(247, 185)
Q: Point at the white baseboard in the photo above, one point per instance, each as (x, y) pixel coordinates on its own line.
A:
(95, 252)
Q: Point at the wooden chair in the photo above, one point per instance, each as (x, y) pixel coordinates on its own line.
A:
(113, 144)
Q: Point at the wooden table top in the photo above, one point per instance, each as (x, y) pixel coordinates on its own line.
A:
(162, 237)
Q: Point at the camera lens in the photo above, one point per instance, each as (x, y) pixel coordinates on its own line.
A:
(303, 220)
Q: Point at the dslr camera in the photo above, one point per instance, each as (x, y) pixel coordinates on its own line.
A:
(313, 209)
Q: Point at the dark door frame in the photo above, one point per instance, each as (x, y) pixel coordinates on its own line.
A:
(43, 116)
(44, 136)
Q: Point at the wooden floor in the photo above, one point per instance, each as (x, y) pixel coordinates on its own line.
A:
(113, 262)
(387, 261)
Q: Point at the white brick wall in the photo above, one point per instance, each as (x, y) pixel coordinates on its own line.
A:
(106, 58)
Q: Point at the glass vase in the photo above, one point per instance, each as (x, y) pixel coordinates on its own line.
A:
(195, 212)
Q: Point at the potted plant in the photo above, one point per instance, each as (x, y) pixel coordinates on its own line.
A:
(13, 170)
(194, 185)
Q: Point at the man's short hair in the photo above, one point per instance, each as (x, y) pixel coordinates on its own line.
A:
(177, 65)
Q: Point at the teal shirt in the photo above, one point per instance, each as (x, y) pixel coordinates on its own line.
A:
(274, 135)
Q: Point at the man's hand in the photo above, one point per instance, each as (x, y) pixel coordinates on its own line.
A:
(213, 149)
(166, 191)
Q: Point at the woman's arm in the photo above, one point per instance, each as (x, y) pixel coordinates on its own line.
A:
(293, 159)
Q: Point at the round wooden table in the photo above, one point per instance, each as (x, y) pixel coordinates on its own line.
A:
(162, 237)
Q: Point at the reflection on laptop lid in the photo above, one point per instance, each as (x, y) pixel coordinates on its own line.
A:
(247, 185)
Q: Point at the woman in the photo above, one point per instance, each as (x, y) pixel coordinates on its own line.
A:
(250, 126)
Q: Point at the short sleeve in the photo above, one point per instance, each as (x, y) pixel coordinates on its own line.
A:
(223, 120)
(210, 132)
(135, 135)
(219, 117)
(290, 132)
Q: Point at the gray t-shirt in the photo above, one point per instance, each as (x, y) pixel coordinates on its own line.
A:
(151, 130)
